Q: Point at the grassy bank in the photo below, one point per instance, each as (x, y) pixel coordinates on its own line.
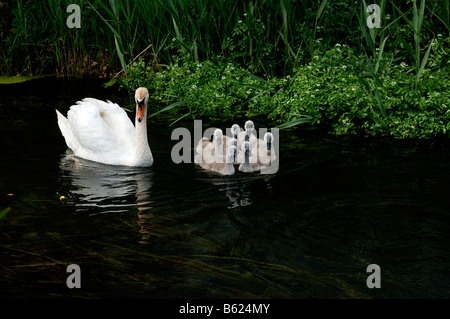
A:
(293, 62)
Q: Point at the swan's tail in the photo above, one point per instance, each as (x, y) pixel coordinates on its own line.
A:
(64, 126)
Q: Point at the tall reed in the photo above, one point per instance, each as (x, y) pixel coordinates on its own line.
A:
(269, 37)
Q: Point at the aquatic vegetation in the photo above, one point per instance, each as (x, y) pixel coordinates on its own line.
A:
(291, 62)
(339, 89)
(4, 212)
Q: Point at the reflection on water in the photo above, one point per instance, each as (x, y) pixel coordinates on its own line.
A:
(176, 231)
(237, 188)
(96, 188)
(100, 188)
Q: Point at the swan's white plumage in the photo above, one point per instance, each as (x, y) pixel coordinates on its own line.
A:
(218, 155)
(265, 156)
(102, 132)
(248, 160)
(249, 130)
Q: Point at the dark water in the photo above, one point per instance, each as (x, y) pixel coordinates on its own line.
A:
(335, 206)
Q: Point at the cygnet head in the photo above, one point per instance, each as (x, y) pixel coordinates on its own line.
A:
(218, 136)
(268, 138)
(235, 129)
(141, 97)
(249, 127)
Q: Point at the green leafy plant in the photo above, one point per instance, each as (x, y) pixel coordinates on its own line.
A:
(4, 212)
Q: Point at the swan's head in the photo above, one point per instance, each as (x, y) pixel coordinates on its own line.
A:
(141, 97)
(249, 127)
(231, 154)
(218, 136)
(268, 138)
(235, 130)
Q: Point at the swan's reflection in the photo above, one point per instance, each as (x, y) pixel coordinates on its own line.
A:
(237, 187)
(99, 188)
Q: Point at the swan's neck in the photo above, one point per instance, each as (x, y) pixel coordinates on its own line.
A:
(246, 158)
(218, 147)
(218, 151)
(143, 154)
(247, 134)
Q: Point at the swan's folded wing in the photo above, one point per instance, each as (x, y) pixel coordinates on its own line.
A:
(90, 130)
(116, 118)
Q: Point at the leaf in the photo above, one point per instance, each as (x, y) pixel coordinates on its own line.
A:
(167, 108)
(120, 54)
(409, 22)
(424, 62)
(4, 212)
(180, 118)
(380, 102)
(380, 55)
(256, 77)
(122, 83)
(320, 10)
(110, 83)
(302, 120)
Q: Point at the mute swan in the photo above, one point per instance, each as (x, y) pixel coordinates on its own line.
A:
(208, 159)
(248, 163)
(226, 167)
(102, 131)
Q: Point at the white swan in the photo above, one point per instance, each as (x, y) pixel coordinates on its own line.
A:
(102, 131)
(209, 152)
(209, 159)
(226, 167)
(266, 151)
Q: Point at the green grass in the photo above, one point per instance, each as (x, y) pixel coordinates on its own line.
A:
(187, 48)
(267, 36)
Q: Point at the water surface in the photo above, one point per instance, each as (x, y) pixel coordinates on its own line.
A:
(336, 205)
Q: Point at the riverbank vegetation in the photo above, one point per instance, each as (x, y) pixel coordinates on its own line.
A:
(315, 63)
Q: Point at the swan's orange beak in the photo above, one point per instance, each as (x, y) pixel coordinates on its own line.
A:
(140, 111)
